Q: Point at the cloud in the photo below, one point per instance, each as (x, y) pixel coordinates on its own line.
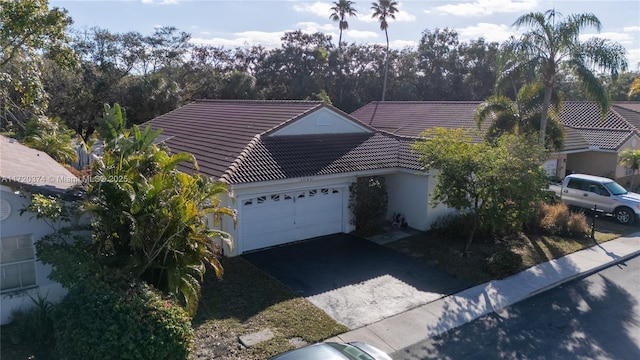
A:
(633, 56)
(631, 29)
(160, 2)
(401, 44)
(488, 7)
(322, 9)
(313, 27)
(490, 32)
(358, 34)
(401, 16)
(244, 38)
(619, 37)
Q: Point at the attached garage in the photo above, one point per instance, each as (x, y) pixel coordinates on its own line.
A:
(279, 218)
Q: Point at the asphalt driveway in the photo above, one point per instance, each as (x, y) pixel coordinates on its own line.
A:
(355, 281)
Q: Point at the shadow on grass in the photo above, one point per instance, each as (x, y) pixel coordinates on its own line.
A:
(590, 319)
(243, 292)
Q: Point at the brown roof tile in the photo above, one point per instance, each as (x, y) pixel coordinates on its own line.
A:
(587, 115)
(410, 118)
(217, 131)
(282, 157)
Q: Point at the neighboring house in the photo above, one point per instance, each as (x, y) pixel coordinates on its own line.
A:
(591, 145)
(25, 170)
(289, 165)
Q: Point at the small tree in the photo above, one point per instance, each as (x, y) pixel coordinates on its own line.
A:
(496, 185)
(630, 158)
(149, 218)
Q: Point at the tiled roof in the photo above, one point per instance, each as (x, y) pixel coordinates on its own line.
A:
(23, 165)
(587, 115)
(630, 112)
(217, 131)
(410, 118)
(281, 157)
(573, 140)
(583, 122)
(605, 139)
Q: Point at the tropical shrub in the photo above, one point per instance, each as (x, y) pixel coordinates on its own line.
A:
(33, 326)
(368, 203)
(120, 319)
(504, 263)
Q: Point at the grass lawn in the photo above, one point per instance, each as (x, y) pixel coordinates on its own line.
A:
(445, 253)
(248, 300)
(245, 301)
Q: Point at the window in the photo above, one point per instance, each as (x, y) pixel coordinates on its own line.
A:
(628, 171)
(18, 263)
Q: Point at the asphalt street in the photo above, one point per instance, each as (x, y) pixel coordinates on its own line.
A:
(596, 317)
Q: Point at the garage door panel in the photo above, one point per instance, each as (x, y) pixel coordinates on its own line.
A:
(279, 218)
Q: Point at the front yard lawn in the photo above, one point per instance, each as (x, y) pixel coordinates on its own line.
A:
(445, 253)
(246, 300)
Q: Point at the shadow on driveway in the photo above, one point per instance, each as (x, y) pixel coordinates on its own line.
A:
(355, 281)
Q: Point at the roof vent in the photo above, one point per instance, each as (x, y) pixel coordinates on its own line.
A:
(5, 209)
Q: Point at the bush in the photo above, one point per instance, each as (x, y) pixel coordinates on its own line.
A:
(556, 219)
(456, 226)
(34, 326)
(120, 319)
(368, 202)
(504, 263)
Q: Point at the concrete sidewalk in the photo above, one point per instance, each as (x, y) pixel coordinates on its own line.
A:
(410, 327)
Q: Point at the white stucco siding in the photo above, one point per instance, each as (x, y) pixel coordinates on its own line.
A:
(322, 121)
(408, 195)
(440, 210)
(15, 225)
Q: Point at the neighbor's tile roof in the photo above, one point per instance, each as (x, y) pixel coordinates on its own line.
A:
(607, 133)
(23, 165)
(217, 131)
(573, 140)
(587, 115)
(411, 118)
(582, 120)
(281, 157)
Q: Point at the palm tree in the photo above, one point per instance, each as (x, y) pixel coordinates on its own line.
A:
(553, 44)
(522, 116)
(384, 9)
(342, 9)
(630, 158)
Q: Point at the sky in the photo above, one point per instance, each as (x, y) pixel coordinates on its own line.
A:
(233, 23)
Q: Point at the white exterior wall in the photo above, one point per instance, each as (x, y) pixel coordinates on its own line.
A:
(23, 225)
(322, 121)
(441, 210)
(408, 195)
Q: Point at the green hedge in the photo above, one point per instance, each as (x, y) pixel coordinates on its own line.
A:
(120, 319)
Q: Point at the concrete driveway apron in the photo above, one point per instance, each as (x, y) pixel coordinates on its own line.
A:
(353, 280)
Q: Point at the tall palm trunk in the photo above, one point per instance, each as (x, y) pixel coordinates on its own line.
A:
(548, 89)
(386, 66)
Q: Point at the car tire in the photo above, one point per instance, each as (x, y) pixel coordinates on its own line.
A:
(624, 215)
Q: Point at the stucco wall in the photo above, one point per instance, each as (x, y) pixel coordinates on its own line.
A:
(593, 163)
(22, 225)
(408, 195)
(322, 121)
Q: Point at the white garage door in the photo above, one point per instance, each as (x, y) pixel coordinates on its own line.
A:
(279, 218)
